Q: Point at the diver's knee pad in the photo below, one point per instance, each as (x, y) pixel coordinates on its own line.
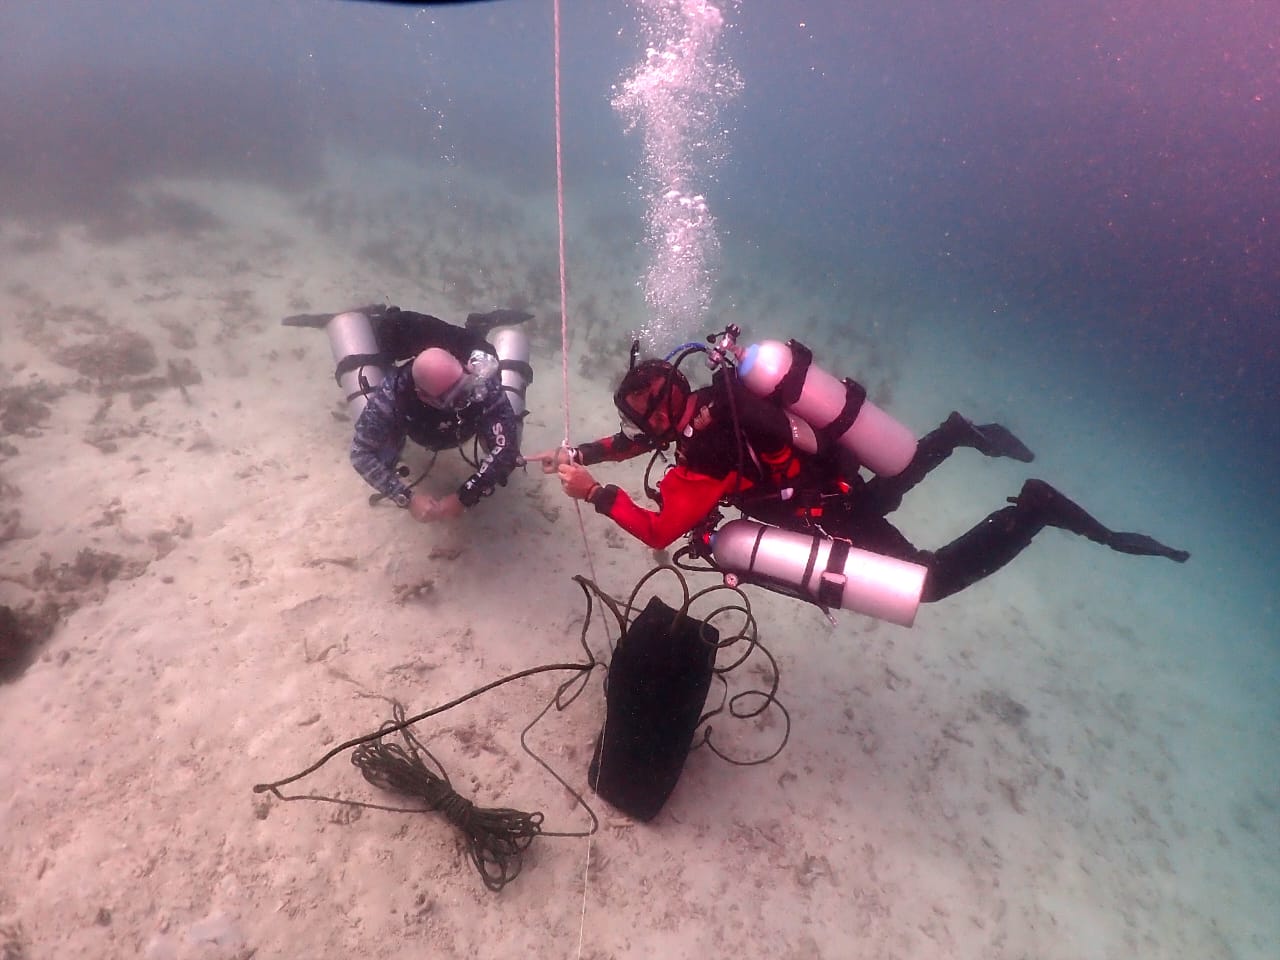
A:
(656, 689)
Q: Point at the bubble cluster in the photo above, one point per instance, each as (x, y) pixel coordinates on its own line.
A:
(674, 98)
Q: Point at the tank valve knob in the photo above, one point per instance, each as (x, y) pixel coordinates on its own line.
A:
(726, 347)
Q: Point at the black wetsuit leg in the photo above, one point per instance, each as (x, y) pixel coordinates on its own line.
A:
(867, 530)
(884, 494)
(977, 554)
(1004, 534)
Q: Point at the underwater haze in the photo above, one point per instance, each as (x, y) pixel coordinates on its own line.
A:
(1064, 217)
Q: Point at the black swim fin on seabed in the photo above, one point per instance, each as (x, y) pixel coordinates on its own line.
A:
(482, 323)
(320, 320)
(317, 320)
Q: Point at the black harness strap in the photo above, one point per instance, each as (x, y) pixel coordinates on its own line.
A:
(855, 394)
(812, 562)
(349, 363)
(755, 549)
(831, 590)
(518, 366)
(788, 390)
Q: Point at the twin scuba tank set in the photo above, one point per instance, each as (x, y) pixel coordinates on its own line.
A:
(824, 412)
(362, 364)
(351, 335)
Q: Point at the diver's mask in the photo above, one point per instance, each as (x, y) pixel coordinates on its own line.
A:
(632, 430)
(479, 381)
(635, 426)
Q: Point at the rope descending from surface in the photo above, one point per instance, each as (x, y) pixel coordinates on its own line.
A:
(495, 838)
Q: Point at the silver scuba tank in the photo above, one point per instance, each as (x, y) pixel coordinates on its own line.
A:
(351, 334)
(512, 346)
(830, 573)
(838, 410)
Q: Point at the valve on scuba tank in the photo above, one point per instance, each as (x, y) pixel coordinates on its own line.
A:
(838, 410)
(828, 572)
(725, 346)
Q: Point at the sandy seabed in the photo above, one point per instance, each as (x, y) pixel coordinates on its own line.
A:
(1042, 767)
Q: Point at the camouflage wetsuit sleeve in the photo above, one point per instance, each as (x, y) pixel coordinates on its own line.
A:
(498, 429)
(378, 440)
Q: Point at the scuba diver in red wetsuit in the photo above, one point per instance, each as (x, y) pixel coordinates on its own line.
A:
(819, 529)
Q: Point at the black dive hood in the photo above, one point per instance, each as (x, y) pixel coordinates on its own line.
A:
(673, 378)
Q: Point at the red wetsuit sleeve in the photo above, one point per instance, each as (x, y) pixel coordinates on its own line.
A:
(687, 498)
(612, 449)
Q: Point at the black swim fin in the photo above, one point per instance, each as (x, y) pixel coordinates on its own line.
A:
(1140, 545)
(317, 320)
(320, 320)
(1055, 509)
(482, 323)
(989, 439)
(995, 440)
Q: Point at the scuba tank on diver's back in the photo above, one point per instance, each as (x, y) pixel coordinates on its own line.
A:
(824, 414)
(838, 410)
(351, 338)
(511, 344)
(367, 342)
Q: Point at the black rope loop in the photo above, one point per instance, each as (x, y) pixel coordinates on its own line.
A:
(495, 839)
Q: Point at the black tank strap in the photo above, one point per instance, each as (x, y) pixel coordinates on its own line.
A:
(347, 364)
(855, 395)
(518, 366)
(755, 548)
(789, 387)
(808, 567)
(831, 590)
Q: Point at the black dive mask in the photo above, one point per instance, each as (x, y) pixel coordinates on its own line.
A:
(479, 381)
(635, 425)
